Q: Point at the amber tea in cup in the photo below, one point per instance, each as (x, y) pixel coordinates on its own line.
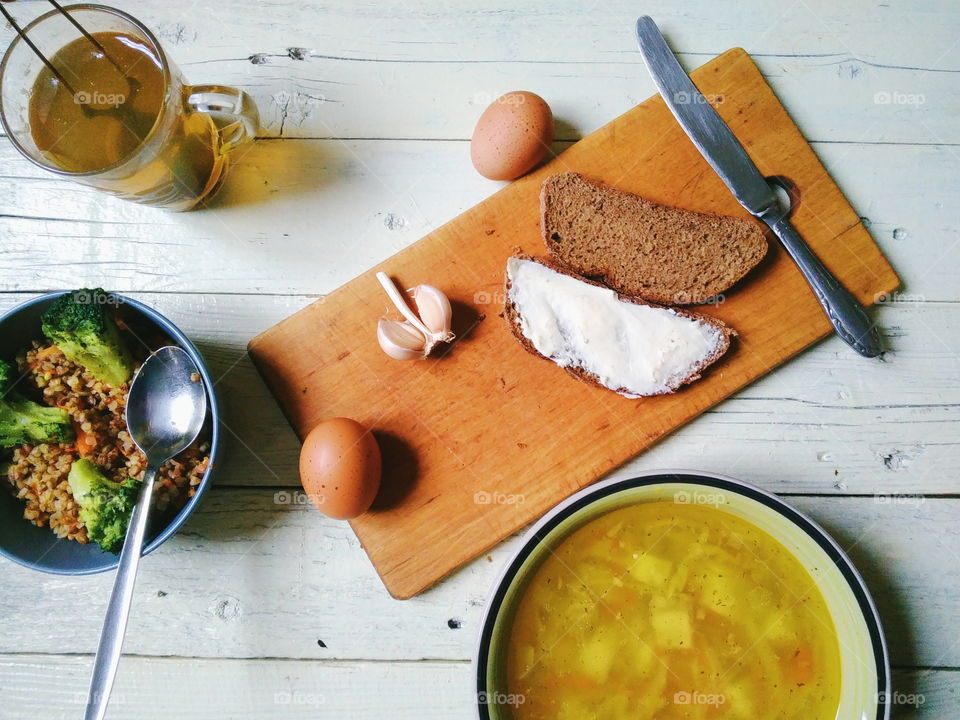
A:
(124, 120)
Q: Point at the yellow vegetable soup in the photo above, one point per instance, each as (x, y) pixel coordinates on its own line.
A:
(665, 610)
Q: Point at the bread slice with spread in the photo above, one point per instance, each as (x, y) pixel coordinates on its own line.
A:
(621, 343)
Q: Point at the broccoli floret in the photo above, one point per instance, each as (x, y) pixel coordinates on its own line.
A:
(105, 505)
(24, 422)
(78, 323)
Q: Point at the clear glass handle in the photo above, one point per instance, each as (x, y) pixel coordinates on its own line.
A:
(235, 112)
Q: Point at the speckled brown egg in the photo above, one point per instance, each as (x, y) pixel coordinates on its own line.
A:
(340, 468)
(512, 136)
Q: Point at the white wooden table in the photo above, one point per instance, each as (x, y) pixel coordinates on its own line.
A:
(258, 609)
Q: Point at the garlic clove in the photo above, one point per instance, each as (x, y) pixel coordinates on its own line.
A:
(435, 306)
(401, 304)
(401, 340)
(434, 310)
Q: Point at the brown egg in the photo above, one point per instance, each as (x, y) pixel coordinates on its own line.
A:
(512, 136)
(340, 468)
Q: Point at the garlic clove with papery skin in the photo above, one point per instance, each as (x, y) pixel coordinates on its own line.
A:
(437, 308)
(434, 310)
(401, 340)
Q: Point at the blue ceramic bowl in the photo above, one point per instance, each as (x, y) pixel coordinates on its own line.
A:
(38, 548)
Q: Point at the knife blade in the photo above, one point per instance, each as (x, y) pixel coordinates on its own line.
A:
(721, 149)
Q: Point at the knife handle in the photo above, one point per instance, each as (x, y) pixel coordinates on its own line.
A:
(848, 317)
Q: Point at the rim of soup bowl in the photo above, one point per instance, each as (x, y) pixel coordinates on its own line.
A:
(581, 500)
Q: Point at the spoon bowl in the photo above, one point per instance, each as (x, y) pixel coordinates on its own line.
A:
(167, 404)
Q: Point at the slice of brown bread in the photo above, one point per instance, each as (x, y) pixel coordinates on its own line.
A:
(512, 317)
(639, 247)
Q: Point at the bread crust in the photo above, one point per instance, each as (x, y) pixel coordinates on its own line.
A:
(635, 280)
(512, 318)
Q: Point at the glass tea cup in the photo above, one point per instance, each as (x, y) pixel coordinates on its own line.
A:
(182, 149)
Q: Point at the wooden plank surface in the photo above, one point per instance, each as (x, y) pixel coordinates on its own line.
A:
(348, 205)
(812, 411)
(302, 216)
(252, 690)
(255, 689)
(259, 573)
(443, 458)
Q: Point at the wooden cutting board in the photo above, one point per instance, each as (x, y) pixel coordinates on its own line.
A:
(484, 439)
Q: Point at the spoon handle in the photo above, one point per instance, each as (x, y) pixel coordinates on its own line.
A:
(118, 610)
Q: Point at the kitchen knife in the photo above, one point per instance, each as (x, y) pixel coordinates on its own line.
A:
(719, 147)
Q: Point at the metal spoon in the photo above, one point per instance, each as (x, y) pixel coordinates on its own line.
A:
(166, 408)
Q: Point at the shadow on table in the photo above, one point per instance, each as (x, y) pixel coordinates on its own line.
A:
(259, 446)
(889, 598)
(259, 451)
(273, 170)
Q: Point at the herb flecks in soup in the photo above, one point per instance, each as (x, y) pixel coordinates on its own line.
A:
(665, 610)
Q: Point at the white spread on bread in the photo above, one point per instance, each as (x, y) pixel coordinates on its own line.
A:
(636, 350)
